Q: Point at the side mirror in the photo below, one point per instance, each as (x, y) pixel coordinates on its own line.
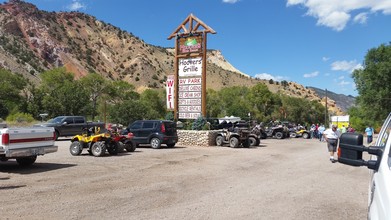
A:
(64, 123)
(351, 148)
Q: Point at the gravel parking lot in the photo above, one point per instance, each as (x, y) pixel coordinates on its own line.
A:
(281, 179)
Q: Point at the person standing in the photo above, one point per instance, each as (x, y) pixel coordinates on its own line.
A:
(320, 132)
(331, 136)
(369, 131)
(343, 130)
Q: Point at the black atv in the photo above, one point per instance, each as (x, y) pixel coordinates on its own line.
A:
(234, 136)
(277, 131)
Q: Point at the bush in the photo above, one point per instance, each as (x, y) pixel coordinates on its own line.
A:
(199, 123)
(20, 117)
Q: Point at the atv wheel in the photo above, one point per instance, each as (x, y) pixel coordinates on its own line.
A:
(155, 143)
(246, 143)
(98, 149)
(219, 140)
(253, 141)
(293, 134)
(306, 135)
(76, 148)
(130, 147)
(279, 135)
(234, 142)
(113, 149)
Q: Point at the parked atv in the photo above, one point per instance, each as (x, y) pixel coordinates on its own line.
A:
(277, 131)
(300, 133)
(257, 133)
(97, 143)
(122, 141)
(234, 136)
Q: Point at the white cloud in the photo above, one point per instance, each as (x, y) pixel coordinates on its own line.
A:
(361, 18)
(311, 75)
(76, 5)
(343, 83)
(341, 77)
(230, 1)
(325, 59)
(335, 14)
(348, 66)
(268, 76)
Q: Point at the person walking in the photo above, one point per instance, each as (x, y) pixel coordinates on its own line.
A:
(369, 131)
(331, 136)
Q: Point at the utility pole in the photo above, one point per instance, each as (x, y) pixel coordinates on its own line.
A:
(326, 112)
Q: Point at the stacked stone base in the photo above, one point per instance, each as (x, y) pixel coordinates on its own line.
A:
(196, 138)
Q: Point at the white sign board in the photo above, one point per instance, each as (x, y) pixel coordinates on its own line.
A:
(190, 67)
(170, 97)
(189, 98)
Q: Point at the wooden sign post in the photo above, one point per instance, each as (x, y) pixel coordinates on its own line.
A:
(190, 68)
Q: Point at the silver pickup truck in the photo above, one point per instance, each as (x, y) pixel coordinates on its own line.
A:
(25, 144)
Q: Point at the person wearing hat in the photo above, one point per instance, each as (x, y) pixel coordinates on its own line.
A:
(331, 136)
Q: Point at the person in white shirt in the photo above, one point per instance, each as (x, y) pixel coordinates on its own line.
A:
(331, 136)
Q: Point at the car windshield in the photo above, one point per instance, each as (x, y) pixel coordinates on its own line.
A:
(56, 120)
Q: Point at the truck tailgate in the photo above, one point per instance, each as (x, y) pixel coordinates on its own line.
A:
(36, 140)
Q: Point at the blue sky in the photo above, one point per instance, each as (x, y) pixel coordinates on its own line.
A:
(312, 42)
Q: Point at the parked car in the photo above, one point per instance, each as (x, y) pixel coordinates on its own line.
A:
(70, 125)
(153, 132)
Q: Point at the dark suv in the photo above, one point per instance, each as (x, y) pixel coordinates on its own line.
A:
(153, 132)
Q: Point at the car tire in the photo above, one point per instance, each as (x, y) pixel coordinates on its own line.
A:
(171, 145)
(155, 143)
(76, 148)
(219, 140)
(98, 149)
(26, 161)
(56, 135)
(234, 142)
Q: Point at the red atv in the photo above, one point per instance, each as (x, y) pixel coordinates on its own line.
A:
(122, 141)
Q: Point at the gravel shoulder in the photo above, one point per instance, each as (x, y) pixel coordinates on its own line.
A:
(281, 179)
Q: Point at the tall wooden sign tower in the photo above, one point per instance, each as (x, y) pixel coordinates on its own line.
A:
(190, 68)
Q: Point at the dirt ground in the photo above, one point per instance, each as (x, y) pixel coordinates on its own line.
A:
(281, 179)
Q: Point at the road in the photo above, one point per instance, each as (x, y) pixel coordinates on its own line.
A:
(281, 179)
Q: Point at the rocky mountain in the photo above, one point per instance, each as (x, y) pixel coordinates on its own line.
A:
(32, 41)
(341, 100)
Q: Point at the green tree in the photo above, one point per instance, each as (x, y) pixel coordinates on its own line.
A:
(11, 86)
(154, 102)
(372, 83)
(263, 102)
(118, 91)
(127, 112)
(96, 86)
(61, 94)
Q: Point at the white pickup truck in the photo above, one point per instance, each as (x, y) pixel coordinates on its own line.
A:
(25, 144)
(350, 152)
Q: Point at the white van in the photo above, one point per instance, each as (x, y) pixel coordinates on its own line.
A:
(350, 152)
